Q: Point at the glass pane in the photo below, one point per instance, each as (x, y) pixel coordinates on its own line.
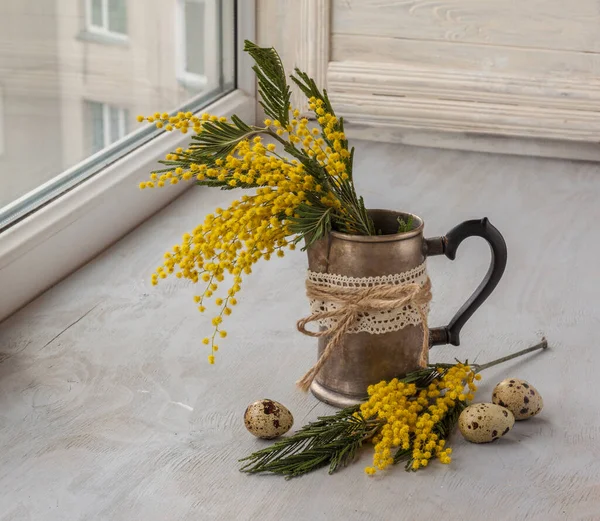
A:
(117, 16)
(96, 123)
(115, 133)
(56, 83)
(194, 37)
(228, 56)
(97, 13)
(125, 129)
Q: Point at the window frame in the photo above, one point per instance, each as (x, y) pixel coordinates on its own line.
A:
(104, 29)
(187, 78)
(106, 122)
(72, 229)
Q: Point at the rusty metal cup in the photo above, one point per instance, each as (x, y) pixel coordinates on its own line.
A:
(365, 358)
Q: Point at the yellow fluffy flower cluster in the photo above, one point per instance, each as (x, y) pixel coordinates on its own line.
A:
(182, 121)
(231, 240)
(313, 170)
(299, 181)
(327, 145)
(256, 226)
(410, 416)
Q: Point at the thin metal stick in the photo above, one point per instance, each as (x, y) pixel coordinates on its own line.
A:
(542, 345)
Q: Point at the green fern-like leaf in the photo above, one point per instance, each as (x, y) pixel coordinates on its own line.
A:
(272, 84)
(405, 226)
(220, 138)
(309, 88)
(312, 223)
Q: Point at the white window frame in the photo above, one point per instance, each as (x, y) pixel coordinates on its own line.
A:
(51, 243)
(106, 140)
(211, 65)
(102, 30)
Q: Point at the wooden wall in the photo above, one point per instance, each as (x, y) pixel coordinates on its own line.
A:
(453, 73)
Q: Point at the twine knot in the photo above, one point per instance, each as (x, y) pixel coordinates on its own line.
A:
(352, 302)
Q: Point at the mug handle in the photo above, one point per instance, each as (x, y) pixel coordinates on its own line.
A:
(447, 245)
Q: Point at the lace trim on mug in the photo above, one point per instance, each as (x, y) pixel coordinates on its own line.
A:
(373, 322)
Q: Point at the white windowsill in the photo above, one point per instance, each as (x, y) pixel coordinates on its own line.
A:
(189, 80)
(45, 247)
(104, 37)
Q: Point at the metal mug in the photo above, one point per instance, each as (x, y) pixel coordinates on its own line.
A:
(365, 358)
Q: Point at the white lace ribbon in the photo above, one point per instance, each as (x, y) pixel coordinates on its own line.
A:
(372, 322)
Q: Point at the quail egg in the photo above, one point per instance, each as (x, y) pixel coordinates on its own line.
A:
(268, 419)
(485, 422)
(519, 397)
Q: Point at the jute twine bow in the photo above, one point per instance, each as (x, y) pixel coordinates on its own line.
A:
(354, 301)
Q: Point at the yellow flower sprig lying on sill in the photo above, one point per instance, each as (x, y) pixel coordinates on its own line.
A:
(299, 179)
(407, 419)
(414, 416)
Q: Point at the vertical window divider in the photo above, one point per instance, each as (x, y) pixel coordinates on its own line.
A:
(122, 126)
(106, 123)
(105, 15)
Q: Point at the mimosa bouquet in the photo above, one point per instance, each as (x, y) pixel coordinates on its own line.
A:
(297, 181)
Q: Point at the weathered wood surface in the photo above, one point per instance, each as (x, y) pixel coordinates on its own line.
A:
(483, 67)
(471, 58)
(540, 24)
(109, 411)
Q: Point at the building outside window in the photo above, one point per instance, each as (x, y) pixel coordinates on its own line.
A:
(197, 37)
(74, 74)
(106, 124)
(107, 17)
(80, 96)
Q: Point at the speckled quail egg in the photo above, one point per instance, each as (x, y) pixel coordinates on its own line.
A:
(268, 419)
(519, 397)
(485, 422)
